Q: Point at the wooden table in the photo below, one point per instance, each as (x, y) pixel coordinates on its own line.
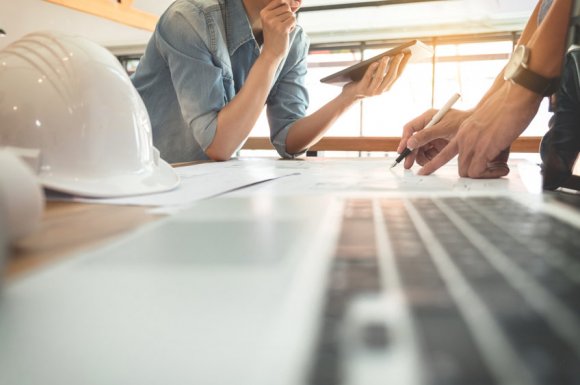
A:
(69, 227)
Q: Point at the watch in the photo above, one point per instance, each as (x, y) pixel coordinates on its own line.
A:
(518, 72)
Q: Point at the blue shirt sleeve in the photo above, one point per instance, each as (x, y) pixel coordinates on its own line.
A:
(544, 8)
(199, 85)
(288, 100)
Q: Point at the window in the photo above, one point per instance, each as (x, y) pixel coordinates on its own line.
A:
(385, 115)
(322, 63)
(467, 67)
(130, 63)
(471, 68)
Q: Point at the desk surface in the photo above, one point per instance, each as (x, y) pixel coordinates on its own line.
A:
(68, 227)
(185, 303)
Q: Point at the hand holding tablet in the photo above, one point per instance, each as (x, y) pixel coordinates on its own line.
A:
(414, 50)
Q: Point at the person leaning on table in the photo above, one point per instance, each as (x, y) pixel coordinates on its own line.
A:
(211, 65)
(482, 136)
(560, 146)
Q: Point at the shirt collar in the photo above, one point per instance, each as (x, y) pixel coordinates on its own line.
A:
(238, 29)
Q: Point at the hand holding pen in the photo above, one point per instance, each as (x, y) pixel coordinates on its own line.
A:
(434, 120)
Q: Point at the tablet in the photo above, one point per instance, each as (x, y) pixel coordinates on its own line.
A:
(416, 48)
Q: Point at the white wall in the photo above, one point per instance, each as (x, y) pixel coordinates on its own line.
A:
(18, 17)
(417, 19)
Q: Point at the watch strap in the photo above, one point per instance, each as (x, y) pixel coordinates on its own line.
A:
(536, 83)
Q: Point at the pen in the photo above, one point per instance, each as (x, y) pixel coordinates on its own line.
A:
(435, 119)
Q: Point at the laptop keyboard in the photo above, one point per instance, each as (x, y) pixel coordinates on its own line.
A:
(354, 272)
(492, 288)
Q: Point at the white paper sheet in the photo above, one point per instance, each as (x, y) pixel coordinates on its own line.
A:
(345, 175)
(200, 181)
(246, 176)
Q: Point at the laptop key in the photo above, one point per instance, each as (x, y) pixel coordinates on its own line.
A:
(449, 351)
(547, 356)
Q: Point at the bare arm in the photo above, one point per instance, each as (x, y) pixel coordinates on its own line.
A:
(308, 130)
(483, 139)
(527, 33)
(546, 42)
(549, 62)
(237, 118)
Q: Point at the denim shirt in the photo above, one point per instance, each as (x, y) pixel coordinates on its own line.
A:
(546, 4)
(197, 60)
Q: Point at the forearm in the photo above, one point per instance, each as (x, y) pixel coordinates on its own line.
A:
(237, 118)
(308, 130)
(497, 84)
(378, 78)
(545, 41)
(548, 43)
(527, 33)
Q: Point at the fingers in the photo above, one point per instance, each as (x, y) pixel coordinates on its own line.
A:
(502, 157)
(410, 159)
(413, 126)
(369, 75)
(278, 11)
(275, 4)
(392, 74)
(289, 23)
(479, 167)
(464, 161)
(403, 63)
(427, 135)
(409, 130)
(479, 155)
(473, 162)
(470, 165)
(378, 78)
(491, 172)
(386, 74)
(444, 156)
(278, 21)
(379, 74)
(383, 74)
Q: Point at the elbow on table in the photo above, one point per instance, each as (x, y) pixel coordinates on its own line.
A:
(218, 154)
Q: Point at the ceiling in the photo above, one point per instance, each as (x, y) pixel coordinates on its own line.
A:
(416, 19)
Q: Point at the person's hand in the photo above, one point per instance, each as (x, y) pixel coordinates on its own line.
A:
(483, 139)
(378, 78)
(277, 23)
(428, 142)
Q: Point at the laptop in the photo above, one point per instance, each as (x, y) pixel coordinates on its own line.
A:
(374, 287)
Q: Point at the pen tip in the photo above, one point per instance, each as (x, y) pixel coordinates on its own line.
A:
(394, 164)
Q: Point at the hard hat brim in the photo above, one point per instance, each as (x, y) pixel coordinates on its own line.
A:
(157, 179)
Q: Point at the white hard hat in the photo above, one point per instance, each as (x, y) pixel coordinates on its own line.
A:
(69, 101)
